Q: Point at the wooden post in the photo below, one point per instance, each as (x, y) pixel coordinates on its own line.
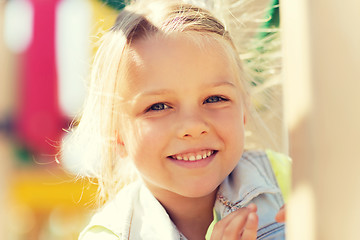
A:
(321, 43)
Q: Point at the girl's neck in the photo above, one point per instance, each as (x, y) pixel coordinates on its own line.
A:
(192, 216)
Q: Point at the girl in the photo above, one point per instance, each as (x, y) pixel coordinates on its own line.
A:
(168, 96)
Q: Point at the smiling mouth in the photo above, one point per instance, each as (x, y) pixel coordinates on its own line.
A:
(194, 156)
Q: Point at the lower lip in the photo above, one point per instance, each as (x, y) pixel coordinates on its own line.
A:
(194, 164)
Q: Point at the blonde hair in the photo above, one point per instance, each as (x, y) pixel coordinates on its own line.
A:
(98, 131)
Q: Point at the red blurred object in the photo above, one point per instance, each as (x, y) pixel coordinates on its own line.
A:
(39, 120)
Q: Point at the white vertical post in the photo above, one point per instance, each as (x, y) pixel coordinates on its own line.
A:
(321, 41)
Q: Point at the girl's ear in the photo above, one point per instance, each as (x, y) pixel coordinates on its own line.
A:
(121, 145)
(245, 119)
(122, 148)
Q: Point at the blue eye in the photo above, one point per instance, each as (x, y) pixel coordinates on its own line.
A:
(158, 107)
(215, 99)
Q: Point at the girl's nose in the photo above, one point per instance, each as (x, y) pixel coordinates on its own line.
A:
(193, 126)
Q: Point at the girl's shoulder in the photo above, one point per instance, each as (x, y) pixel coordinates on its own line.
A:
(273, 165)
(98, 232)
(111, 221)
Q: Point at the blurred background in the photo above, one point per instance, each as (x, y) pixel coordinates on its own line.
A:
(46, 48)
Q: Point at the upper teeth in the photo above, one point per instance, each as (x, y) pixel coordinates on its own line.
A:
(193, 156)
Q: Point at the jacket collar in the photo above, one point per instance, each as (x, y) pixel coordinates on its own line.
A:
(246, 182)
(150, 220)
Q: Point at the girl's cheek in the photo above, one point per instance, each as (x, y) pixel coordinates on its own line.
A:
(229, 116)
(148, 131)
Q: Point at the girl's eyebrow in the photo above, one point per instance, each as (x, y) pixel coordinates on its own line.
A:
(219, 84)
(154, 92)
(158, 92)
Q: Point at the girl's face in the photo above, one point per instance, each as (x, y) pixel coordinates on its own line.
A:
(184, 115)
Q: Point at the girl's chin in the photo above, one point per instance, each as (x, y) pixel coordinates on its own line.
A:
(190, 188)
(200, 192)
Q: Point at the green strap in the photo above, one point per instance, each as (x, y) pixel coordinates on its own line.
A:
(281, 165)
(211, 227)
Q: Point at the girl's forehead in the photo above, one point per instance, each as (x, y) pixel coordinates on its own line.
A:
(176, 45)
(156, 61)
